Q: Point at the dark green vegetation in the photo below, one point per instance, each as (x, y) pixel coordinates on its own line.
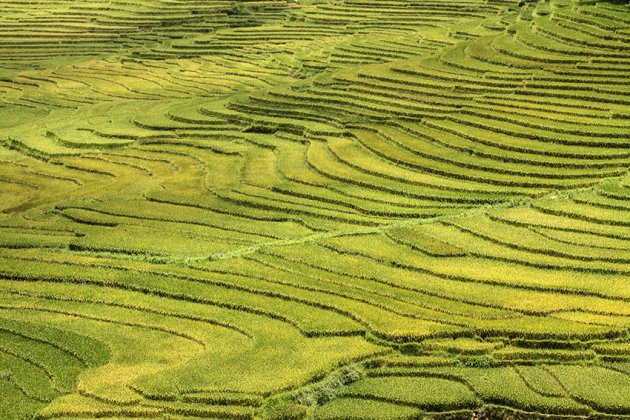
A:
(333, 209)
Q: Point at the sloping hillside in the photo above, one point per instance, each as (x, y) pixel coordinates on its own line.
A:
(334, 209)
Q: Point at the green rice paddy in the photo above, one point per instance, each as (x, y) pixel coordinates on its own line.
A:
(323, 209)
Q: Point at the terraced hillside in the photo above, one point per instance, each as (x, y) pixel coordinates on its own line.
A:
(334, 209)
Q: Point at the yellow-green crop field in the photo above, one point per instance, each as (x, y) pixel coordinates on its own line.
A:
(322, 209)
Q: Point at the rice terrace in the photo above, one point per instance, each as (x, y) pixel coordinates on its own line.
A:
(320, 209)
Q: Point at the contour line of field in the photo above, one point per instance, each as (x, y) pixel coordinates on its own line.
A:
(477, 211)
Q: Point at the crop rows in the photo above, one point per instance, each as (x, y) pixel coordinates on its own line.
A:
(335, 210)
